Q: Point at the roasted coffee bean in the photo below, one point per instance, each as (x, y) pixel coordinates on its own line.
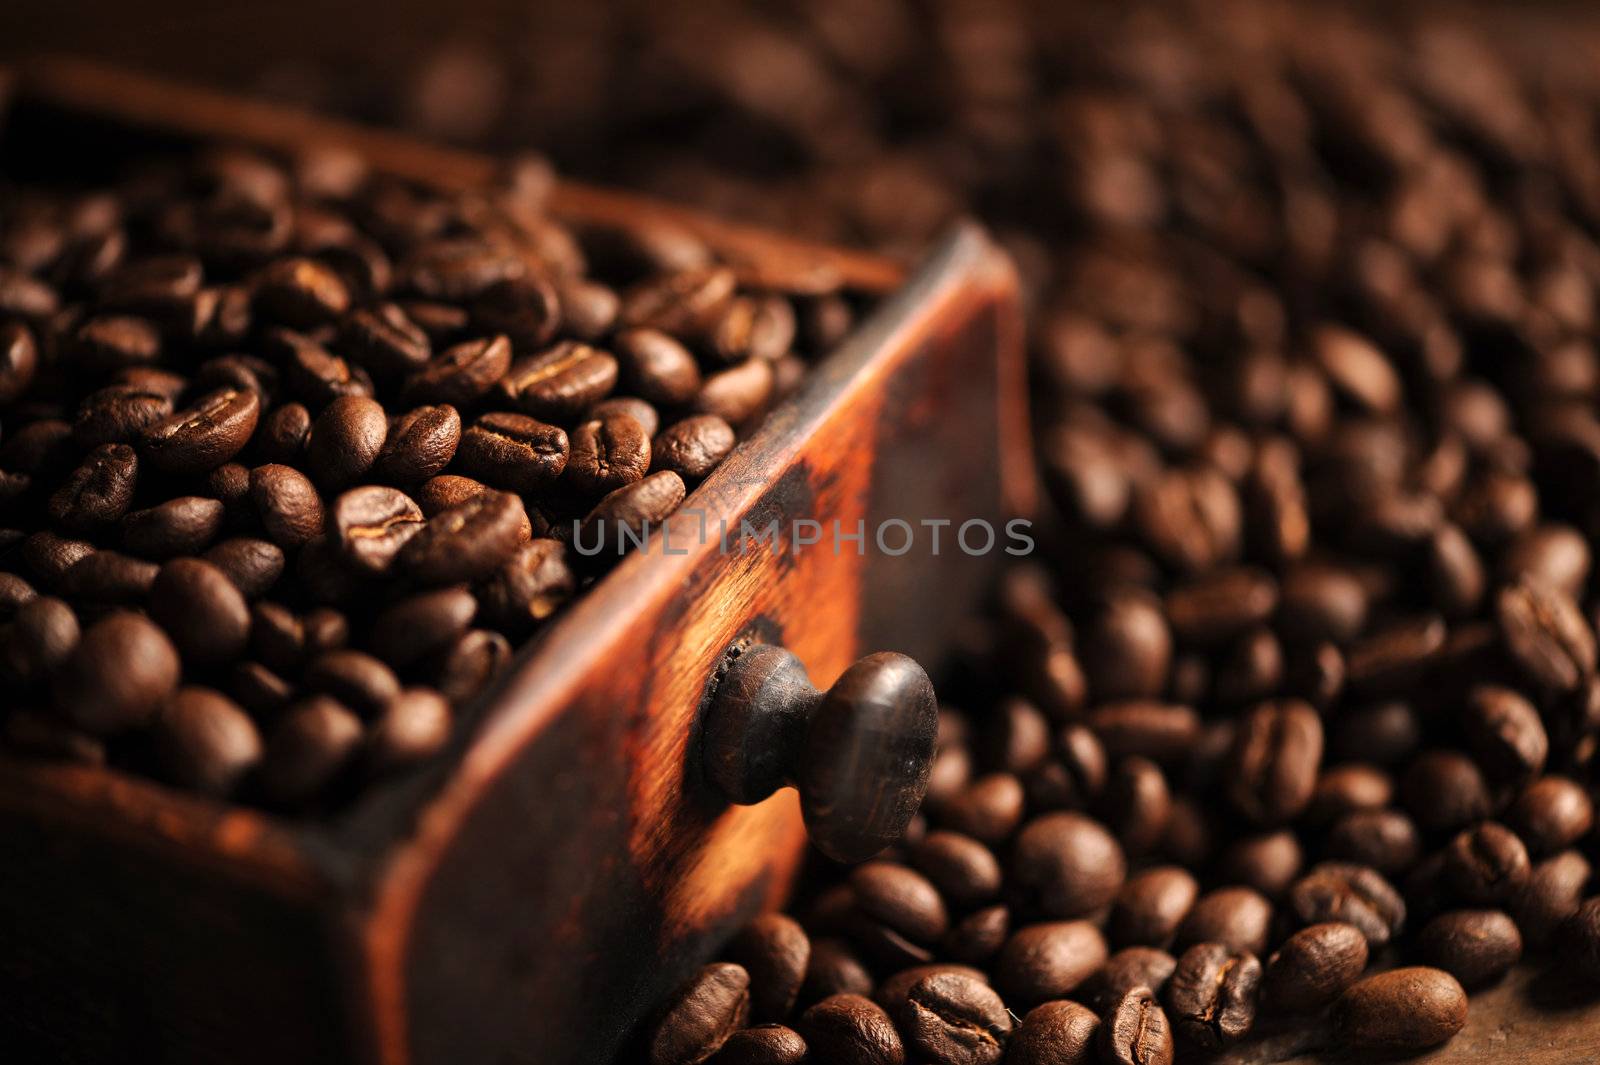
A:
(989, 809)
(447, 490)
(261, 692)
(979, 935)
(1268, 862)
(1067, 865)
(1221, 605)
(253, 565)
(693, 447)
(413, 727)
(1314, 966)
(1349, 788)
(1272, 770)
(1162, 732)
(300, 293)
(1048, 961)
(753, 329)
(963, 869)
(371, 524)
(1387, 840)
(287, 504)
(1054, 1033)
(955, 1019)
(358, 680)
(1444, 790)
(470, 665)
(1354, 894)
(737, 395)
(1129, 648)
(1477, 947)
(117, 415)
(1211, 997)
(626, 517)
(19, 361)
(1151, 905)
(1486, 864)
(108, 342)
(121, 672)
(309, 747)
(631, 406)
(775, 951)
(462, 374)
(14, 594)
(763, 1044)
(514, 452)
(99, 492)
(1554, 890)
(49, 556)
(205, 435)
(1545, 635)
(420, 625)
(201, 609)
(182, 526)
(1239, 918)
(419, 445)
(345, 441)
(606, 455)
(530, 587)
(1322, 603)
(384, 340)
(1396, 655)
(1135, 1031)
(314, 374)
(561, 383)
(108, 577)
(467, 542)
(851, 1030)
(42, 635)
(1401, 1011)
(205, 741)
(1125, 970)
(526, 309)
(1552, 554)
(685, 304)
(657, 367)
(1550, 814)
(230, 484)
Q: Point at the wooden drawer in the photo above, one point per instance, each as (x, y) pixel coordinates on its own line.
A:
(529, 897)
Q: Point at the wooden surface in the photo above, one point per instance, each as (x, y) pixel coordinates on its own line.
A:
(530, 897)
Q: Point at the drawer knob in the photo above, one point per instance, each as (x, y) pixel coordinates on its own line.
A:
(859, 753)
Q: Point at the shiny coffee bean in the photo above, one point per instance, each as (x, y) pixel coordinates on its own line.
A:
(1477, 947)
(1136, 1032)
(514, 452)
(955, 1019)
(775, 951)
(561, 383)
(183, 526)
(656, 367)
(205, 435)
(1401, 1011)
(287, 504)
(1273, 768)
(253, 565)
(42, 634)
(411, 728)
(1314, 966)
(1055, 1033)
(1354, 894)
(467, 542)
(606, 455)
(121, 672)
(1048, 961)
(97, 493)
(693, 447)
(205, 741)
(371, 524)
(308, 748)
(851, 1030)
(345, 441)
(419, 445)
(460, 375)
(1067, 864)
(202, 610)
(358, 680)
(1211, 997)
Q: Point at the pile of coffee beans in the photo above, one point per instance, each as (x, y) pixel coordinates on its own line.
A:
(293, 455)
(1294, 723)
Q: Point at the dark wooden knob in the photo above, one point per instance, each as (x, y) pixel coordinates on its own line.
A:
(860, 752)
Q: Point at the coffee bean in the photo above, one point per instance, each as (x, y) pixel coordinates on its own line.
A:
(559, 384)
(345, 441)
(1354, 894)
(1125, 970)
(99, 492)
(737, 395)
(1151, 905)
(420, 625)
(1322, 602)
(1555, 888)
(1067, 864)
(1129, 648)
(371, 524)
(1048, 961)
(207, 434)
(1477, 947)
(1387, 840)
(253, 565)
(467, 542)
(14, 594)
(205, 741)
(657, 367)
(1136, 1031)
(1401, 1011)
(182, 526)
(1161, 732)
(753, 329)
(979, 935)
(588, 309)
(314, 374)
(1314, 966)
(1221, 605)
(461, 375)
(358, 680)
(1552, 554)
(1545, 635)
(122, 670)
(1486, 864)
(989, 809)
(1239, 918)
(1211, 997)
(1268, 862)
(1444, 790)
(1396, 655)
(530, 587)
(606, 455)
(684, 304)
(287, 503)
(117, 415)
(763, 1044)
(419, 445)
(19, 361)
(513, 451)
(309, 747)
(114, 341)
(775, 951)
(1054, 1033)
(201, 609)
(1349, 788)
(965, 872)
(851, 1030)
(954, 1019)
(300, 293)
(42, 635)
(470, 665)
(108, 577)
(413, 727)
(693, 447)
(384, 340)
(627, 516)
(447, 490)
(526, 309)
(1550, 814)
(1273, 767)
